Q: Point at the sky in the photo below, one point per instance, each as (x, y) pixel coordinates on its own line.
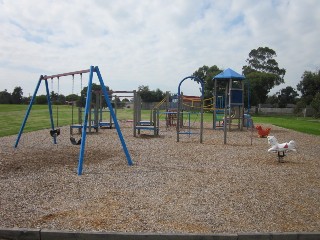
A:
(153, 43)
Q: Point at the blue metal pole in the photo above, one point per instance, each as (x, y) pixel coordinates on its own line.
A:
(85, 123)
(106, 96)
(28, 112)
(249, 96)
(50, 110)
(179, 117)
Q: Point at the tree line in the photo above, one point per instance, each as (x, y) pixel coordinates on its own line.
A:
(16, 97)
(262, 73)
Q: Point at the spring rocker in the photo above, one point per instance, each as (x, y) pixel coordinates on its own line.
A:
(262, 133)
(280, 148)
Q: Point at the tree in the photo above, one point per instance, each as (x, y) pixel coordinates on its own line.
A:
(5, 97)
(72, 98)
(16, 95)
(260, 86)
(26, 100)
(118, 102)
(57, 98)
(315, 104)
(286, 96)
(94, 88)
(263, 73)
(145, 93)
(206, 74)
(125, 100)
(54, 97)
(158, 95)
(273, 100)
(61, 99)
(41, 99)
(150, 96)
(309, 86)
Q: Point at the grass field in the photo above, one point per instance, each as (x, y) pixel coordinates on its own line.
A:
(300, 124)
(11, 117)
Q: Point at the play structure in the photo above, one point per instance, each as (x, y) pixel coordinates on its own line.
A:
(139, 124)
(54, 132)
(181, 129)
(263, 133)
(105, 118)
(92, 126)
(281, 148)
(232, 100)
(227, 106)
(169, 105)
(96, 119)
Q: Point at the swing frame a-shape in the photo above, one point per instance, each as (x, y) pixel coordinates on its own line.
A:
(91, 71)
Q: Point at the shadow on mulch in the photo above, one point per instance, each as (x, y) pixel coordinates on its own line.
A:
(42, 159)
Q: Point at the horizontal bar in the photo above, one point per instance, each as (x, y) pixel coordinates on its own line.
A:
(122, 96)
(81, 126)
(65, 74)
(110, 92)
(146, 128)
(121, 91)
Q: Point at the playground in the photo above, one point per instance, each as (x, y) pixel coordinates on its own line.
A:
(176, 187)
(168, 175)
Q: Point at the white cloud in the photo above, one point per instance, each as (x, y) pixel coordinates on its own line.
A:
(155, 43)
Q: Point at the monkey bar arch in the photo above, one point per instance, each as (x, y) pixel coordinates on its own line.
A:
(180, 101)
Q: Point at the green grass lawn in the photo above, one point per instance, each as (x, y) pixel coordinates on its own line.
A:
(306, 125)
(11, 117)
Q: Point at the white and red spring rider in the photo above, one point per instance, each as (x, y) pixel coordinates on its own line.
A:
(281, 148)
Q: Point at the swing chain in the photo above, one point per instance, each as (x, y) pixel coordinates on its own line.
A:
(80, 83)
(55, 132)
(58, 102)
(72, 84)
(52, 89)
(72, 139)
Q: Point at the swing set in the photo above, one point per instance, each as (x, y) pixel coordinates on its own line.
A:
(55, 132)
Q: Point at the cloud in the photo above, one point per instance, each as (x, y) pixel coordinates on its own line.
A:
(155, 43)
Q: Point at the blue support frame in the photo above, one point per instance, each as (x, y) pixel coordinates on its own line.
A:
(30, 107)
(113, 115)
(86, 116)
(85, 123)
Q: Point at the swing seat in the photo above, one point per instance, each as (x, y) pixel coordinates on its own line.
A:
(74, 141)
(55, 132)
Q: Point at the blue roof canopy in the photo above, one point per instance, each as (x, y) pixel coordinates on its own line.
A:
(229, 73)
